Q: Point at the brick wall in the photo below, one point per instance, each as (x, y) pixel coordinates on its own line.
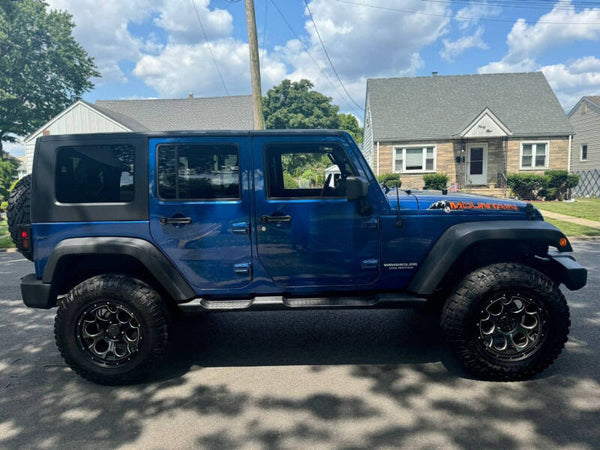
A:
(558, 155)
(445, 162)
(448, 151)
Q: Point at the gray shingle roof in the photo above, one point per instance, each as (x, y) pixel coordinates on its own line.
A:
(130, 123)
(212, 113)
(594, 98)
(441, 107)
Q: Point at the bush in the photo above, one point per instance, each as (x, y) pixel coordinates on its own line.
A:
(289, 182)
(4, 206)
(391, 180)
(526, 186)
(558, 184)
(436, 181)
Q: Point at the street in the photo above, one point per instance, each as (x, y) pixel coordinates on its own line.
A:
(322, 379)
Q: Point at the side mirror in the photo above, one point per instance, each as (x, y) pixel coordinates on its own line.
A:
(356, 188)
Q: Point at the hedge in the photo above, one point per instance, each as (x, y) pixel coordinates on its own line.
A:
(436, 181)
(552, 185)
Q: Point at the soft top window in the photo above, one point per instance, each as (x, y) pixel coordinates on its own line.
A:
(307, 170)
(95, 174)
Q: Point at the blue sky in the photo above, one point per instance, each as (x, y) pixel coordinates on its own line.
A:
(157, 49)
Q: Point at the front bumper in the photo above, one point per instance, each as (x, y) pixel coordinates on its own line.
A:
(564, 269)
(36, 293)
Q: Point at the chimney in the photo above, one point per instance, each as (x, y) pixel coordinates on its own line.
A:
(191, 95)
(434, 74)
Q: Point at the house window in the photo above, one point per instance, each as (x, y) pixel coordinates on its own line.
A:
(584, 152)
(534, 155)
(414, 159)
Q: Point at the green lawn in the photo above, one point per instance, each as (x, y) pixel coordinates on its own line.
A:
(574, 230)
(585, 208)
(5, 240)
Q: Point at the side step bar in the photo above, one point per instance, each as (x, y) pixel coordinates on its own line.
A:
(282, 303)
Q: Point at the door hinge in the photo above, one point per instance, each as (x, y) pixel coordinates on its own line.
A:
(372, 222)
(242, 269)
(240, 228)
(369, 264)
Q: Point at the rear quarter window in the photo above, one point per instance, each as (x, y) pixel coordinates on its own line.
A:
(95, 174)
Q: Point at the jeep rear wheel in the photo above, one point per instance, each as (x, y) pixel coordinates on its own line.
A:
(112, 329)
(506, 322)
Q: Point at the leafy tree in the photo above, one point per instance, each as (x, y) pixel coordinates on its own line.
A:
(43, 69)
(350, 124)
(293, 104)
(8, 173)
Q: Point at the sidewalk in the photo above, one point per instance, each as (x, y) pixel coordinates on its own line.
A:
(571, 219)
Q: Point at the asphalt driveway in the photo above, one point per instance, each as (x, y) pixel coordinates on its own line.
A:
(334, 379)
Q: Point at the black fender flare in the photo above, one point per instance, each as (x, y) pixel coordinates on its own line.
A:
(143, 251)
(456, 239)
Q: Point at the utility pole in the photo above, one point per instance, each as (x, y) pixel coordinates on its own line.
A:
(257, 110)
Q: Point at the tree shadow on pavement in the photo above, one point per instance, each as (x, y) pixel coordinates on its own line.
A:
(335, 379)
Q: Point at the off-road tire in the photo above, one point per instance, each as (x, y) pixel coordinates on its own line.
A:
(460, 320)
(18, 211)
(137, 297)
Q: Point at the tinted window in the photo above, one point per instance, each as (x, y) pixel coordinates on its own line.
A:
(95, 174)
(198, 172)
(307, 170)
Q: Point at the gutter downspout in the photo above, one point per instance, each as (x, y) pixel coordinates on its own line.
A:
(377, 157)
(569, 157)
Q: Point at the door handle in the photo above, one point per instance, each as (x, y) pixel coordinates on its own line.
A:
(275, 218)
(175, 220)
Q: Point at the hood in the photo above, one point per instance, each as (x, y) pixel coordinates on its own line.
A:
(434, 202)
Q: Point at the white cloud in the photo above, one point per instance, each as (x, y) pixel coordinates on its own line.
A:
(101, 28)
(183, 68)
(571, 80)
(574, 80)
(362, 42)
(505, 66)
(452, 49)
(560, 27)
(471, 15)
(178, 17)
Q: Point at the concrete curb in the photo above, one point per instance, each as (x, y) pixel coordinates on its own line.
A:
(8, 250)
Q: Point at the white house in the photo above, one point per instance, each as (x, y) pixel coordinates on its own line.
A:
(106, 116)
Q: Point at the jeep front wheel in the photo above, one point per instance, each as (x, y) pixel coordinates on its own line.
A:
(112, 329)
(506, 322)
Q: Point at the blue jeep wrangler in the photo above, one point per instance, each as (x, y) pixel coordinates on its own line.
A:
(125, 227)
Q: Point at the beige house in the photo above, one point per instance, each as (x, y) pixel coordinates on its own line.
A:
(474, 128)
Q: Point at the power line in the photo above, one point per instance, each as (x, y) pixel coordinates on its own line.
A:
(327, 55)
(451, 16)
(212, 55)
(530, 4)
(336, 88)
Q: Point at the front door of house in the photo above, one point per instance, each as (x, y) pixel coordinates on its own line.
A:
(477, 164)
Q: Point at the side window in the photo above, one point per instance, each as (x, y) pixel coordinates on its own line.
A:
(198, 172)
(95, 174)
(307, 170)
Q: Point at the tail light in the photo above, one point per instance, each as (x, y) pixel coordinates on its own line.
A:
(25, 243)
